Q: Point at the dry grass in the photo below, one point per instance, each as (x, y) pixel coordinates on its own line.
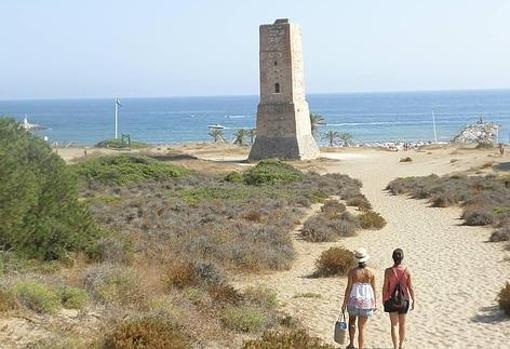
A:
(335, 261)
(290, 339)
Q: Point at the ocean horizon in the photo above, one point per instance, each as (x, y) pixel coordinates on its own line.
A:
(369, 116)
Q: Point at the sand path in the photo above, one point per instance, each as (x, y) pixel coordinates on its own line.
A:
(457, 274)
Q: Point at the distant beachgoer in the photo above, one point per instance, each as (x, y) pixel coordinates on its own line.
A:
(360, 299)
(501, 149)
(397, 294)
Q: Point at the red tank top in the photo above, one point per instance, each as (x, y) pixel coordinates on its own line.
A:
(397, 273)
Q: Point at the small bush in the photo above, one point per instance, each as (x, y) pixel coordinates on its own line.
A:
(224, 293)
(123, 169)
(504, 299)
(371, 220)
(36, 296)
(181, 275)
(478, 216)
(334, 261)
(501, 234)
(361, 202)
(294, 339)
(234, 177)
(317, 229)
(406, 159)
(117, 143)
(150, 331)
(243, 318)
(333, 208)
(272, 172)
(261, 296)
(73, 298)
(115, 285)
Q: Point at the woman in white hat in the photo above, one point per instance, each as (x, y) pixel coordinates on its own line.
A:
(360, 300)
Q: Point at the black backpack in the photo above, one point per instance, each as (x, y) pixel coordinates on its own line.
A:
(397, 300)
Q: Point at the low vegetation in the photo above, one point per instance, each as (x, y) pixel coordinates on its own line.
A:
(124, 169)
(485, 199)
(406, 159)
(335, 222)
(153, 331)
(118, 143)
(290, 339)
(371, 220)
(335, 261)
(504, 299)
(145, 246)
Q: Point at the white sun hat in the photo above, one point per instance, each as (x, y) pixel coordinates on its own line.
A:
(361, 255)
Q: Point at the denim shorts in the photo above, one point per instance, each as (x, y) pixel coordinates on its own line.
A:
(360, 312)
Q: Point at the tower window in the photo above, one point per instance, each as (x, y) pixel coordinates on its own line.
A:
(275, 63)
(277, 88)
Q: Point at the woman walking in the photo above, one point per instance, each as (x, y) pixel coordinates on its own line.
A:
(397, 293)
(359, 300)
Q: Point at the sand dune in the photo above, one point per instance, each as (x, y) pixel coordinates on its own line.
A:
(457, 274)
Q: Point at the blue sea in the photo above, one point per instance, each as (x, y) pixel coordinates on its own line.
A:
(369, 117)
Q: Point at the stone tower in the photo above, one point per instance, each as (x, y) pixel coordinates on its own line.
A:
(283, 121)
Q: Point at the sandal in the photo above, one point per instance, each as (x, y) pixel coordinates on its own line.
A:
(350, 347)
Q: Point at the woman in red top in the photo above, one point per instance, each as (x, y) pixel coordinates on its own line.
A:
(398, 274)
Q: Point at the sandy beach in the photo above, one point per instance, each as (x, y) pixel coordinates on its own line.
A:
(457, 273)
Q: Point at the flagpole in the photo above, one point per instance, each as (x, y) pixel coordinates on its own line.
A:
(116, 117)
(434, 125)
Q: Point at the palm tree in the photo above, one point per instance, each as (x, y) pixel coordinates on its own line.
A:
(331, 136)
(252, 132)
(217, 134)
(315, 121)
(239, 136)
(346, 138)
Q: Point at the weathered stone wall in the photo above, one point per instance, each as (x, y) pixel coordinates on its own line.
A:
(283, 122)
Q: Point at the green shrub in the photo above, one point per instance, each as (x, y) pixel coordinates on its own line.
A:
(117, 143)
(73, 298)
(504, 299)
(272, 172)
(260, 296)
(126, 168)
(243, 318)
(36, 296)
(294, 339)
(406, 159)
(371, 220)
(40, 213)
(234, 177)
(150, 331)
(334, 261)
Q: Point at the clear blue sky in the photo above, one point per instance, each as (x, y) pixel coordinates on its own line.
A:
(106, 48)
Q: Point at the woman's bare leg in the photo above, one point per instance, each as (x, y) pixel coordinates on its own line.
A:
(394, 319)
(362, 321)
(352, 330)
(402, 329)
